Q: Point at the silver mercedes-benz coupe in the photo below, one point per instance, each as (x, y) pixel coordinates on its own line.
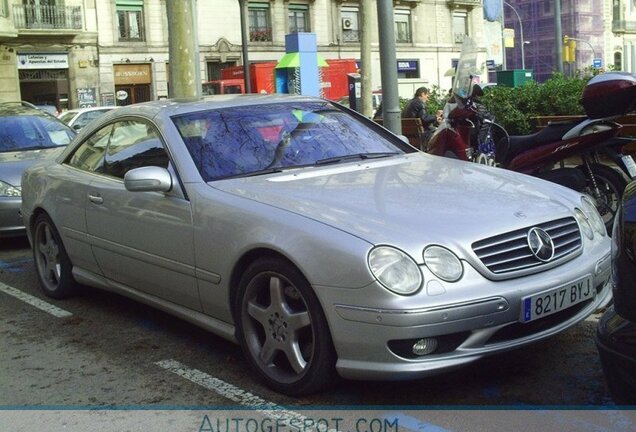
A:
(318, 240)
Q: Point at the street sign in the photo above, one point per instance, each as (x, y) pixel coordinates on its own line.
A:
(490, 65)
(597, 63)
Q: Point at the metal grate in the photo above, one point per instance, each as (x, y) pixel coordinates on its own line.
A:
(510, 252)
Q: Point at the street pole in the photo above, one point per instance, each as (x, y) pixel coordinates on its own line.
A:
(388, 66)
(244, 41)
(185, 70)
(365, 58)
(558, 35)
(523, 56)
(503, 38)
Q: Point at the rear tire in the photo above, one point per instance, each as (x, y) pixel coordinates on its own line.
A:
(53, 265)
(611, 185)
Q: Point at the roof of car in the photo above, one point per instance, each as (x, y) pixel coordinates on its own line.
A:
(20, 108)
(180, 106)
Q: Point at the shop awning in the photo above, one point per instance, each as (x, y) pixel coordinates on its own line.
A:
(292, 60)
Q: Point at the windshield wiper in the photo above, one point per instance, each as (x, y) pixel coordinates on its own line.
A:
(357, 156)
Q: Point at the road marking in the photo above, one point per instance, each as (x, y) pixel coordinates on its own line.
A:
(34, 301)
(231, 392)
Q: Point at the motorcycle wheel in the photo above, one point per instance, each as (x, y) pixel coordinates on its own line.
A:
(611, 185)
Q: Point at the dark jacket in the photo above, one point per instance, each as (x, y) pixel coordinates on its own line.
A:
(416, 108)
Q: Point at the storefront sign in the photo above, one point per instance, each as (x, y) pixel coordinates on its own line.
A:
(132, 74)
(42, 61)
(108, 99)
(406, 65)
(122, 95)
(87, 97)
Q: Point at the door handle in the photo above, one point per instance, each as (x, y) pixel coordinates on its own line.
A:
(95, 198)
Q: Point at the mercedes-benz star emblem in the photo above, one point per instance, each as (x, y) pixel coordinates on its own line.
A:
(541, 244)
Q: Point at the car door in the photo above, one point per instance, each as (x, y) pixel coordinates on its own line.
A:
(141, 240)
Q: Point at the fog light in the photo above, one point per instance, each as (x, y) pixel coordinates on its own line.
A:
(424, 346)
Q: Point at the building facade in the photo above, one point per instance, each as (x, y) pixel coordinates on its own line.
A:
(49, 52)
(75, 53)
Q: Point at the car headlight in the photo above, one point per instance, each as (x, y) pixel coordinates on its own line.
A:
(593, 216)
(6, 190)
(395, 270)
(443, 263)
(584, 223)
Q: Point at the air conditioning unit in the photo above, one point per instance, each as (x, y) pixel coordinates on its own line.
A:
(347, 24)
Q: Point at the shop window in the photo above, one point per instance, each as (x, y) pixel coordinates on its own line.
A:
(259, 22)
(130, 20)
(460, 26)
(298, 18)
(402, 26)
(350, 24)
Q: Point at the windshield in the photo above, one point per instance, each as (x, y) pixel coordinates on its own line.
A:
(26, 132)
(246, 140)
(466, 68)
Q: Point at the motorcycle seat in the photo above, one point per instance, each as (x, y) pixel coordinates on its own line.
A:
(508, 148)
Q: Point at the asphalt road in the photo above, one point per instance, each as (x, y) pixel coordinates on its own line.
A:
(111, 351)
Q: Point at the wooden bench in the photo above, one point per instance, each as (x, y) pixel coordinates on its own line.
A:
(412, 128)
(628, 122)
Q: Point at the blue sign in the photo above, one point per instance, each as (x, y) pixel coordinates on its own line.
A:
(597, 63)
(407, 65)
(490, 65)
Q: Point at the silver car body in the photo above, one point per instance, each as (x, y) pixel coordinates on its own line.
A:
(14, 159)
(184, 250)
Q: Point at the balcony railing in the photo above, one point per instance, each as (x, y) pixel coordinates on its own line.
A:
(624, 26)
(47, 17)
(260, 34)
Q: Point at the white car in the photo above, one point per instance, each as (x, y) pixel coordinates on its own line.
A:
(78, 118)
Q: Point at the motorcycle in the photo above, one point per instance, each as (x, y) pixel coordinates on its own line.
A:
(470, 133)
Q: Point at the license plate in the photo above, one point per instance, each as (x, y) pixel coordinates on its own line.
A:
(630, 165)
(557, 299)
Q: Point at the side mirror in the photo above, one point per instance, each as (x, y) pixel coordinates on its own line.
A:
(77, 127)
(148, 179)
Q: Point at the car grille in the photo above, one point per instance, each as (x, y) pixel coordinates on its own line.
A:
(507, 253)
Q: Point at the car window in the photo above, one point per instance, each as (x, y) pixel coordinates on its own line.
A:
(89, 156)
(133, 144)
(248, 139)
(67, 116)
(84, 118)
(22, 132)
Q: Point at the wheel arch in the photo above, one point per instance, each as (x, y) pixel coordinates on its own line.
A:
(244, 262)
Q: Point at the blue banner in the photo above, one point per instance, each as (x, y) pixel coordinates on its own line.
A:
(493, 10)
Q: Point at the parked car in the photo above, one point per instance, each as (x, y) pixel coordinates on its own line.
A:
(79, 117)
(314, 237)
(51, 109)
(616, 332)
(27, 135)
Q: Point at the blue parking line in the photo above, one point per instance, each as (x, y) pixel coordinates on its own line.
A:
(14, 266)
(414, 424)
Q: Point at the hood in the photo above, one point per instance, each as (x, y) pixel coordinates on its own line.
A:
(411, 200)
(13, 164)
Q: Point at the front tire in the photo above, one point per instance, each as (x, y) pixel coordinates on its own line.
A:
(282, 329)
(53, 265)
(611, 185)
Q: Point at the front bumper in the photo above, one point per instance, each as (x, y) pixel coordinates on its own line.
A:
(372, 342)
(11, 223)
